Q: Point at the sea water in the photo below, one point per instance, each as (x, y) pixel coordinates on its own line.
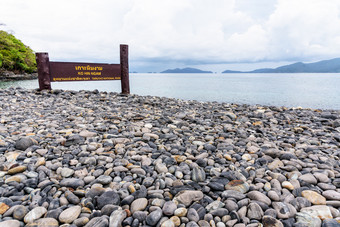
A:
(306, 90)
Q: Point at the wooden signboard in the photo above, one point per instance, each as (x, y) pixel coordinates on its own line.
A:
(72, 71)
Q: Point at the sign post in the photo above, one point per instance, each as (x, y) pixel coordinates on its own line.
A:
(75, 71)
(43, 65)
(124, 67)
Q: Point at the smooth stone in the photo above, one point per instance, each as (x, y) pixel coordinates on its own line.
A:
(86, 133)
(34, 214)
(17, 178)
(203, 223)
(191, 224)
(96, 190)
(330, 223)
(116, 218)
(161, 168)
(19, 212)
(284, 210)
(44, 222)
(10, 223)
(180, 212)
(139, 171)
(72, 183)
(214, 205)
(331, 194)
(154, 217)
(270, 212)
(70, 214)
(192, 215)
(148, 181)
(238, 185)
(288, 185)
(314, 197)
(231, 205)
(176, 220)
(320, 211)
(108, 197)
(81, 221)
(233, 194)
(98, 222)
(3, 207)
(169, 208)
(273, 195)
(256, 195)
(323, 178)
(158, 202)
(54, 213)
(23, 143)
(72, 198)
(18, 169)
(216, 186)
(309, 178)
(108, 209)
(254, 211)
(300, 202)
(325, 186)
(104, 180)
(186, 197)
(275, 164)
(127, 200)
(220, 224)
(168, 223)
(138, 205)
(219, 212)
(332, 203)
(66, 172)
(269, 221)
(307, 219)
(140, 215)
(198, 174)
(11, 156)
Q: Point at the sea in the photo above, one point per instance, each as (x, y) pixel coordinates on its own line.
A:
(306, 90)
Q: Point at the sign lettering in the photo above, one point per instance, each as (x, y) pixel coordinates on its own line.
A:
(71, 71)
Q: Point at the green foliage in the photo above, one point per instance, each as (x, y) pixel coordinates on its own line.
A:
(14, 55)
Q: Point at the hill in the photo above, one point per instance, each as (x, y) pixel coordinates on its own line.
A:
(326, 66)
(185, 70)
(14, 55)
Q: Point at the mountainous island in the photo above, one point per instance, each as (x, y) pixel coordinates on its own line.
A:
(326, 66)
(185, 70)
(17, 61)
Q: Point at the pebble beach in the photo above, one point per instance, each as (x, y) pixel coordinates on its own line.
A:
(102, 159)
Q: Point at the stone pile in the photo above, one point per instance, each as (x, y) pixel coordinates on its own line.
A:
(99, 159)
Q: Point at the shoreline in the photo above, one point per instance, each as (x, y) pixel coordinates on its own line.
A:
(11, 76)
(92, 158)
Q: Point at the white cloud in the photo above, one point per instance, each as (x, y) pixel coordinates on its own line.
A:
(178, 30)
(304, 29)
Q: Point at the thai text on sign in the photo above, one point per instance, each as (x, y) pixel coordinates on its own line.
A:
(70, 71)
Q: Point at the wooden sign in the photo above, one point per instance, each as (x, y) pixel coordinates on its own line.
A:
(73, 71)
(69, 71)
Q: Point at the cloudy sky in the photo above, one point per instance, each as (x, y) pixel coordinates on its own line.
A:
(162, 34)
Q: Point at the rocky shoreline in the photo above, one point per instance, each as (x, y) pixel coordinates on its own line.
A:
(11, 76)
(99, 159)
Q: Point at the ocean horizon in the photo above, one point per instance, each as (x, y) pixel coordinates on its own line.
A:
(306, 90)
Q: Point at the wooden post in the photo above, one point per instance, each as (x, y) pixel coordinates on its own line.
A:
(43, 65)
(124, 68)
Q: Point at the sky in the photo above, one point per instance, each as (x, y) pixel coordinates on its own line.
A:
(211, 35)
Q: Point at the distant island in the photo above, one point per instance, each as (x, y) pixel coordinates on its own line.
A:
(326, 66)
(185, 70)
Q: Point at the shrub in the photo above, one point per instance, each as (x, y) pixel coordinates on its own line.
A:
(14, 55)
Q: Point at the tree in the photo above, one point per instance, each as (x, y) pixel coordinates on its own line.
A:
(14, 55)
